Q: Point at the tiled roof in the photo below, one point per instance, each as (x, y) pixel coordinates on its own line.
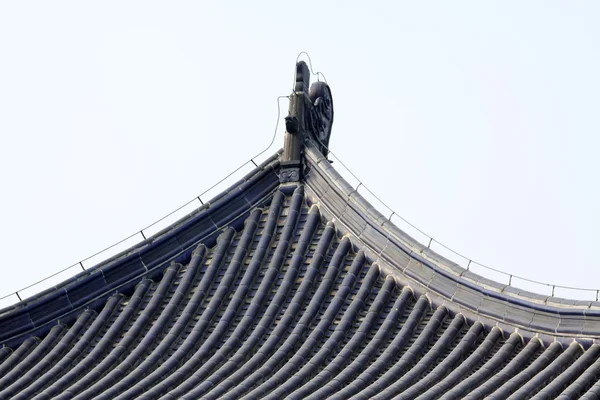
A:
(296, 290)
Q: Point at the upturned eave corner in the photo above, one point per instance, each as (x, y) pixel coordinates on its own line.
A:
(309, 120)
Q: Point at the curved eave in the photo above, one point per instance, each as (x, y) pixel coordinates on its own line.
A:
(62, 303)
(444, 281)
(295, 290)
(411, 262)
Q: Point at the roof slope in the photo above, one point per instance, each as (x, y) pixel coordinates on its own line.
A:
(281, 297)
(291, 285)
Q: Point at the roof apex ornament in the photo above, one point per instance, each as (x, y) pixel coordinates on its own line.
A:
(310, 118)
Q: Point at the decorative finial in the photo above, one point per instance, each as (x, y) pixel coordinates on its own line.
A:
(310, 119)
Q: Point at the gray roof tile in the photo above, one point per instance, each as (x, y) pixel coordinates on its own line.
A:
(299, 294)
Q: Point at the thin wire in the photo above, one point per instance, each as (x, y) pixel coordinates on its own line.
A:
(550, 284)
(394, 212)
(318, 73)
(166, 216)
(250, 160)
(443, 245)
(276, 126)
(111, 246)
(374, 195)
(172, 212)
(449, 249)
(310, 67)
(40, 281)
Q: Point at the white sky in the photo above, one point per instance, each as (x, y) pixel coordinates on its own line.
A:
(476, 122)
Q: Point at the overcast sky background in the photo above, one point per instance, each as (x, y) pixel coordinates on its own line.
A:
(476, 121)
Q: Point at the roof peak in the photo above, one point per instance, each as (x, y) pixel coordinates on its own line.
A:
(310, 118)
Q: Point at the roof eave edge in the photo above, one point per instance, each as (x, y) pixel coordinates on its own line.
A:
(435, 273)
(124, 270)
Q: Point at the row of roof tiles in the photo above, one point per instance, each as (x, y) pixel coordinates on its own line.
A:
(285, 307)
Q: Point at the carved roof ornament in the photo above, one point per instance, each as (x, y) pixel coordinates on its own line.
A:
(321, 115)
(310, 119)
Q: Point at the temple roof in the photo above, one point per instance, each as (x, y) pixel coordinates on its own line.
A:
(289, 284)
